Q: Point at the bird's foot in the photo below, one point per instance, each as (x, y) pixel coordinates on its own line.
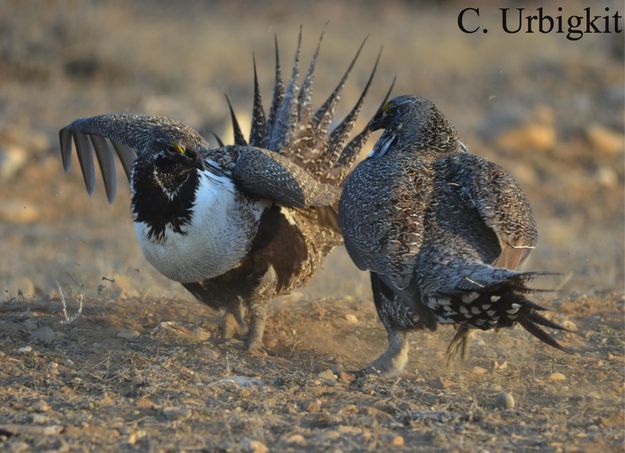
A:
(255, 347)
(232, 327)
(394, 359)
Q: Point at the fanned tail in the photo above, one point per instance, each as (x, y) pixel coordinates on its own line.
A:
(293, 130)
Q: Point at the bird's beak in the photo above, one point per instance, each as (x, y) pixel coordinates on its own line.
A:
(379, 121)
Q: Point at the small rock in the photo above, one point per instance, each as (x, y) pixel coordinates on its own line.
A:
(25, 349)
(398, 441)
(569, 325)
(40, 406)
(40, 419)
(18, 212)
(478, 370)
(295, 439)
(136, 436)
(350, 318)
(12, 159)
(327, 377)
(530, 136)
(346, 376)
(606, 176)
(557, 377)
(253, 446)
(312, 406)
(605, 140)
(44, 335)
(505, 401)
(245, 393)
(127, 334)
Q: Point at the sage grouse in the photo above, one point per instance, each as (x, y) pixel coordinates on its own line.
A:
(236, 225)
(441, 232)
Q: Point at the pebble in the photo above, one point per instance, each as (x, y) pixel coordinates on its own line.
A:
(569, 325)
(295, 439)
(604, 140)
(136, 436)
(530, 136)
(505, 400)
(245, 393)
(12, 159)
(18, 212)
(346, 376)
(312, 406)
(557, 377)
(327, 377)
(398, 441)
(25, 349)
(350, 318)
(40, 406)
(253, 446)
(127, 334)
(44, 334)
(606, 176)
(478, 370)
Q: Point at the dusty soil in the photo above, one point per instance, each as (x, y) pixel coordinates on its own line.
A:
(142, 366)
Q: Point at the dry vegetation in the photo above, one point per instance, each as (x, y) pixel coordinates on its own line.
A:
(142, 367)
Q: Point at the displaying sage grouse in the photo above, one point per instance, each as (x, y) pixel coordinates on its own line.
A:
(441, 232)
(240, 224)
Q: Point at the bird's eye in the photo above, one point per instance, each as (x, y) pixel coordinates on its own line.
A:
(176, 147)
(388, 107)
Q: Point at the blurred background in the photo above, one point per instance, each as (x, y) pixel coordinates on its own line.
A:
(549, 110)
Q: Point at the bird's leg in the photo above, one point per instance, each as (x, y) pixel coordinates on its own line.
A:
(234, 320)
(394, 359)
(258, 317)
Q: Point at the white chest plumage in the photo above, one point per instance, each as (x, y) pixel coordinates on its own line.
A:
(216, 240)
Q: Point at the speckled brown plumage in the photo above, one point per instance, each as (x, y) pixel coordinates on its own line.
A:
(441, 231)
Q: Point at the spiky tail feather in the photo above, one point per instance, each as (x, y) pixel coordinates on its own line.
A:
(499, 303)
(293, 130)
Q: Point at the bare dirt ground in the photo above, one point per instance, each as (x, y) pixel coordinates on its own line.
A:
(143, 368)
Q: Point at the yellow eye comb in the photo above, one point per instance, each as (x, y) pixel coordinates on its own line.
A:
(178, 147)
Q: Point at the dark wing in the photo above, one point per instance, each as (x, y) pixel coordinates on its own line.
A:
(265, 174)
(383, 228)
(501, 204)
(121, 134)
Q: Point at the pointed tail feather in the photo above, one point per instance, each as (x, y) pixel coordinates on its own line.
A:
(304, 101)
(278, 95)
(341, 132)
(323, 117)
(286, 117)
(351, 151)
(532, 327)
(239, 139)
(259, 122)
